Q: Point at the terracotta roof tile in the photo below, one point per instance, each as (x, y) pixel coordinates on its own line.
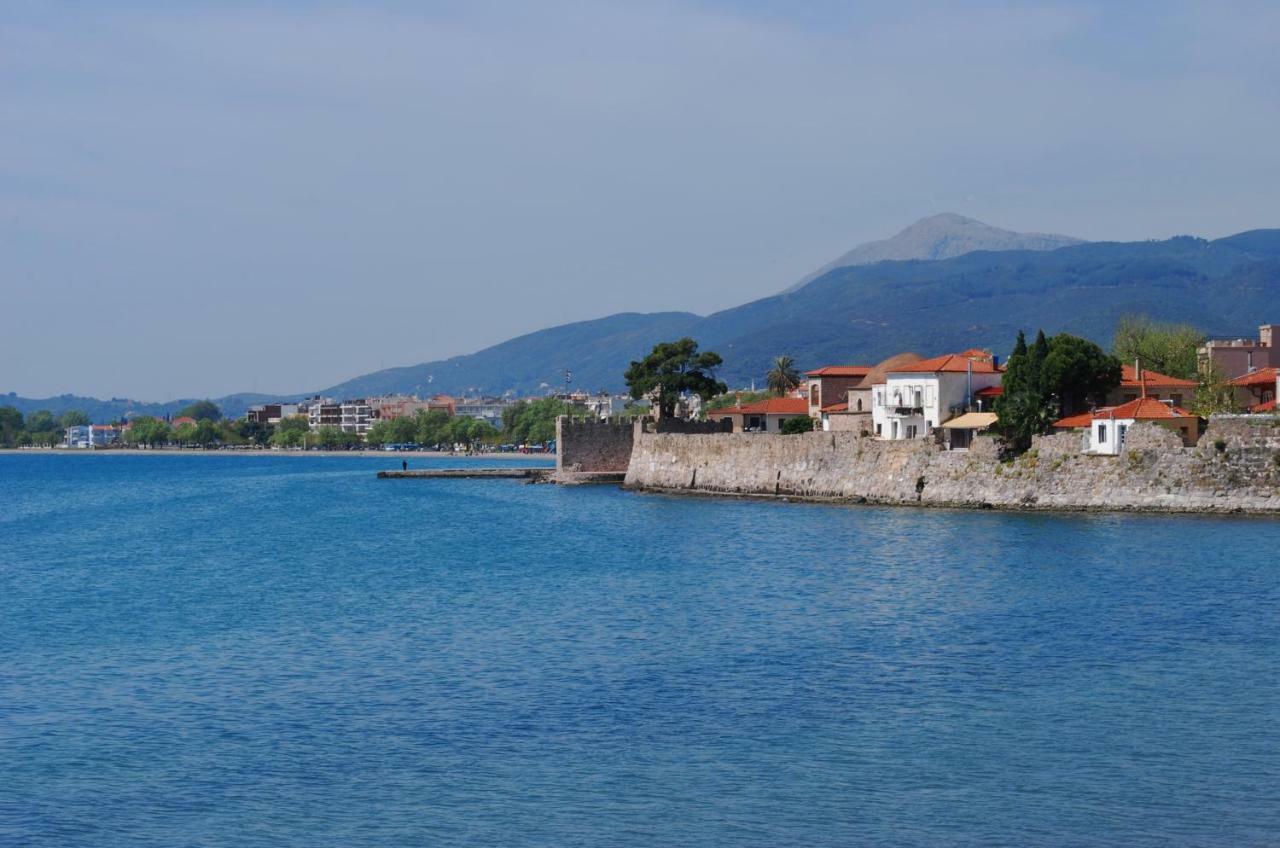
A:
(769, 406)
(1261, 377)
(952, 363)
(1152, 379)
(1142, 409)
(840, 371)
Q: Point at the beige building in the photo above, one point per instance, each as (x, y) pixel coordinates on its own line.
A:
(763, 416)
(1235, 357)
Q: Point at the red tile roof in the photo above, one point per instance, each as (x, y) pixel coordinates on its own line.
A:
(1261, 377)
(990, 391)
(1142, 409)
(183, 419)
(769, 406)
(952, 363)
(1152, 379)
(1269, 406)
(840, 371)
(842, 406)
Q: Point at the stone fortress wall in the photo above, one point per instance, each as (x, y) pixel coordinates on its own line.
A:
(1234, 468)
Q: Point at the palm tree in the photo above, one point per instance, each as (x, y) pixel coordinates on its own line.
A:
(783, 376)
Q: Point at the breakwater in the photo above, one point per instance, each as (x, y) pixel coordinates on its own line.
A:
(1234, 468)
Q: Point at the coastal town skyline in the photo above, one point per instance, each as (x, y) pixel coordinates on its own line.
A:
(202, 188)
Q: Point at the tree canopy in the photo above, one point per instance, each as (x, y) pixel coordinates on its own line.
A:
(534, 422)
(1048, 379)
(1170, 349)
(72, 418)
(201, 410)
(670, 370)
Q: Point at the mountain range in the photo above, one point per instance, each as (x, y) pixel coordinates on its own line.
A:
(921, 296)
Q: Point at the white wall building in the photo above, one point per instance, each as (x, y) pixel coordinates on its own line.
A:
(91, 436)
(924, 394)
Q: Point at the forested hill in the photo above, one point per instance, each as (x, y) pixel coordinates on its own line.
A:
(861, 314)
(864, 313)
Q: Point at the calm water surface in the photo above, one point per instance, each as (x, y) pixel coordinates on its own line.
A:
(268, 651)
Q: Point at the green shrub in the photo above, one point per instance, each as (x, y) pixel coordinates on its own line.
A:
(794, 426)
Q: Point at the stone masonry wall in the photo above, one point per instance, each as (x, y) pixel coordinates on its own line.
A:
(592, 446)
(1153, 473)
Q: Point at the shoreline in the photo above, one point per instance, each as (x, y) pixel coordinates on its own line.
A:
(953, 506)
(398, 455)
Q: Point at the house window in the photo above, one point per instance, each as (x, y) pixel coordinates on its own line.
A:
(879, 427)
(911, 431)
(1177, 399)
(1120, 431)
(918, 397)
(1102, 434)
(859, 404)
(813, 394)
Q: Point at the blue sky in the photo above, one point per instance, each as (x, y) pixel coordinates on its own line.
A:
(202, 198)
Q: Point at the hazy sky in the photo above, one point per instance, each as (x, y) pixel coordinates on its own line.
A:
(203, 198)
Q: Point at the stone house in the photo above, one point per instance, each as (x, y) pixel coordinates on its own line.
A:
(828, 387)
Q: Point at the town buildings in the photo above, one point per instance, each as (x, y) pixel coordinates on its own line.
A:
(855, 414)
(917, 397)
(271, 413)
(1234, 357)
(91, 436)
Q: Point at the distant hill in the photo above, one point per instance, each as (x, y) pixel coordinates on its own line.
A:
(943, 236)
(115, 409)
(862, 314)
(593, 351)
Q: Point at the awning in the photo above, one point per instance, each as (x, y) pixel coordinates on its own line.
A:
(971, 421)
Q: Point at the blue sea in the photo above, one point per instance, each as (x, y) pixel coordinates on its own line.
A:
(285, 651)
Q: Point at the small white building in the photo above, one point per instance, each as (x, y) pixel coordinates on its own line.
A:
(919, 396)
(1106, 428)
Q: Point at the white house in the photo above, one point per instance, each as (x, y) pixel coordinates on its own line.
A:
(1107, 427)
(919, 396)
